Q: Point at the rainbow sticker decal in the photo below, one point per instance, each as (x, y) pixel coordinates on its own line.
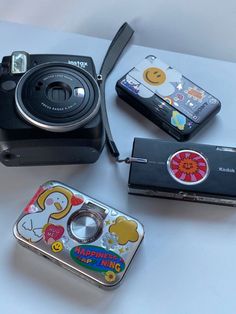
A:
(188, 167)
(169, 100)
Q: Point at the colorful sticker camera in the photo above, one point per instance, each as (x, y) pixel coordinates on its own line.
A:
(83, 234)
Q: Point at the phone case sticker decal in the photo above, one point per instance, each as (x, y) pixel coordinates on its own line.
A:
(117, 232)
(99, 260)
(156, 75)
(169, 100)
(55, 203)
(188, 167)
(52, 233)
(30, 207)
(125, 230)
(109, 241)
(178, 120)
(195, 93)
(131, 84)
(57, 246)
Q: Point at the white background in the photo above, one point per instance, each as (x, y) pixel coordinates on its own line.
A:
(204, 27)
(186, 263)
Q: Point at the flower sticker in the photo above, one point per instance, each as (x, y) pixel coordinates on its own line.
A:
(156, 77)
(109, 241)
(110, 276)
(125, 230)
(188, 167)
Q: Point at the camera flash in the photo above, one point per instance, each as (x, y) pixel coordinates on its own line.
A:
(18, 62)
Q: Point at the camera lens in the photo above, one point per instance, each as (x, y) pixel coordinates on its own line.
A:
(58, 92)
(85, 226)
(57, 97)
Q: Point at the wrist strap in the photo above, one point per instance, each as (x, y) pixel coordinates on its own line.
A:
(114, 51)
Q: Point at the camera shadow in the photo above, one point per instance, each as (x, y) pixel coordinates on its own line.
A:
(45, 275)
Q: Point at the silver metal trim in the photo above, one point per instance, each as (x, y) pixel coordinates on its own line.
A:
(180, 181)
(185, 196)
(53, 127)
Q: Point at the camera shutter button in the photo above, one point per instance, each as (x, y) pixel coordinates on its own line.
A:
(8, 85)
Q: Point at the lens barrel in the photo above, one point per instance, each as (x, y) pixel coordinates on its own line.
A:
(57, 97)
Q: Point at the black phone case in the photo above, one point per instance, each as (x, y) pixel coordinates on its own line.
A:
(167, 98)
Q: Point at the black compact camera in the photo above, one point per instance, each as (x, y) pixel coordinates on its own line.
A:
(191, 172)
(49, 110)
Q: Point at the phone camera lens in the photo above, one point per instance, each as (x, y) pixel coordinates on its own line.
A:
(85, 226)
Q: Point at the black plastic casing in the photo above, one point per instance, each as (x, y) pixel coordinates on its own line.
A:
(153, 179)
(22, 144)
(149, 108)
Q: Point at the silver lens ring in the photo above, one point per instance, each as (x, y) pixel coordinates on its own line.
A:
(61, 126)
(85, 226)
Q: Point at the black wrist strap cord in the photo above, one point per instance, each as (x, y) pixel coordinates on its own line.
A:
(115, 49)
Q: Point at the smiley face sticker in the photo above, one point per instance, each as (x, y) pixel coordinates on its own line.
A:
(57, 247)
(154, 76)
(188, 167)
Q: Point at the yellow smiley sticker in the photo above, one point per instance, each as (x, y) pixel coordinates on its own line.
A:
(154, 76)
(57, 247)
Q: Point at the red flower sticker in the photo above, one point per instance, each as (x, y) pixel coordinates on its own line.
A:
(188, 167)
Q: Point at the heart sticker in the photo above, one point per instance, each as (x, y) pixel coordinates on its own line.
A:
(52, 233)
(75, 200)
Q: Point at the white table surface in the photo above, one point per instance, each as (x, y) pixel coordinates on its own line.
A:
(186, 263)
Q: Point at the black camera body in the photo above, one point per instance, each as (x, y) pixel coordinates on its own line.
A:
(184, 171)
(49, 110)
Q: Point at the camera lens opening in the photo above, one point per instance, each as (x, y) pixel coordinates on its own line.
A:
(57, 97)
(58, 92)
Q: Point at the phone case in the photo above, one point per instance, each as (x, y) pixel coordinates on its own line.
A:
(79, 233)
(167, 98)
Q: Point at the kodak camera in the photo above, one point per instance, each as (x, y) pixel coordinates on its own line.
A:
(49, 110)
(91, 239)
(193, 172)
(167, 98)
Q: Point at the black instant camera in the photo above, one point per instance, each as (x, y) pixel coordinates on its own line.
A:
(49, 110)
